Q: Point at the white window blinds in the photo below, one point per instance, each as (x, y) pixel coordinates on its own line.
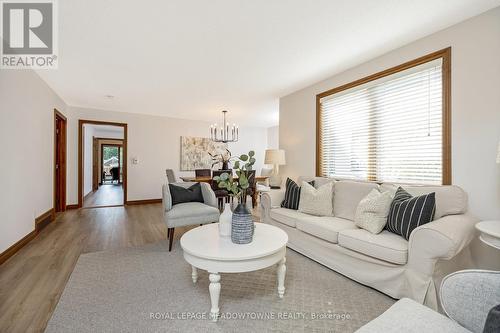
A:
(387, 130)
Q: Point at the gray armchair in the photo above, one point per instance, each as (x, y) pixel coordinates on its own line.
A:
(466, 298)
(188, 213)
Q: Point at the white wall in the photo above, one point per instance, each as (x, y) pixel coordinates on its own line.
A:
(475, 108)
(99, 132)
(155, 141)
(27, 145)
(273, 140)
(88, 153)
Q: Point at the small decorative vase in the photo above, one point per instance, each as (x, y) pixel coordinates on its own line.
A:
(225, 220)
(225, 166)
(242, 225)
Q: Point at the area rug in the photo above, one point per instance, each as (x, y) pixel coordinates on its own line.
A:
(148, 289)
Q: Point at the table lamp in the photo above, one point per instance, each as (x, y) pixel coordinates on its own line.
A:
(275, 157)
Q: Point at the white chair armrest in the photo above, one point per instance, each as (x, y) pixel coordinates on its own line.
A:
(208, 195)
(166, 198)
(443, 239)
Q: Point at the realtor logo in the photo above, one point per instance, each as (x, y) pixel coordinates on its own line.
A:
(28, 34)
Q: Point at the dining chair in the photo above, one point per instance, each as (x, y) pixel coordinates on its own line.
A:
(221, 194)
(203, 173)
(170, 175)
(263, 186)
(115, 172)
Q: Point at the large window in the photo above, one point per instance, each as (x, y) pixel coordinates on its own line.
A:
(390, 127)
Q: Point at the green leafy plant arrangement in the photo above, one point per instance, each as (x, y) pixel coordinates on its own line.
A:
(237, 187)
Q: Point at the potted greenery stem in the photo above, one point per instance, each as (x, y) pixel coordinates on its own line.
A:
(242, 227)
(223, 159)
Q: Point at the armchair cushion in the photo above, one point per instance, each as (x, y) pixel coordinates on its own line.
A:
(409, 316)
(189, 213)
(181, 194)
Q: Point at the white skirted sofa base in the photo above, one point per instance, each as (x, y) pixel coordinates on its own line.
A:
(385, 261)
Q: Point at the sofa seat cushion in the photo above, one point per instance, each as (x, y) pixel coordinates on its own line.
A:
(385, 246)
(191, 213)
(324, 227)
(287, 216)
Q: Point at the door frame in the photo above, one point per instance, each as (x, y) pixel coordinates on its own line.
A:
(120, 147)
(61, 205)
(82, 122)
(95, 175)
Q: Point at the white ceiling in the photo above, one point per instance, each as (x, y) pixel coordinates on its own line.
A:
(191, 59)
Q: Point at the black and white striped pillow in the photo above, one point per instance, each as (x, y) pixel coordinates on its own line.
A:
(407, 212)
(292, 194)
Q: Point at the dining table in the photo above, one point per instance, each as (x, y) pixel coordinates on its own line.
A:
(209, 180)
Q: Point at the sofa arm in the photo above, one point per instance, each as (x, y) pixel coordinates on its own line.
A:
(270, 199)
(442, 239)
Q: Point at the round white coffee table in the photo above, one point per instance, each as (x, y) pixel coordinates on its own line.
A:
(205, 249)
(490, 233)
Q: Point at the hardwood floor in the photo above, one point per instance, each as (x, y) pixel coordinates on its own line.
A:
(32, 281)
(106, 195)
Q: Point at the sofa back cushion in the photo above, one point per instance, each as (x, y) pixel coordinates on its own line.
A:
(347, 195)
(318, 181)
(450, 199)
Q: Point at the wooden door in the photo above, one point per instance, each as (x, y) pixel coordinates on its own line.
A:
(59, 162)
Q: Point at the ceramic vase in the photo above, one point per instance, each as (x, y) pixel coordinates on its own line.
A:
(242, 228)
(225, 221)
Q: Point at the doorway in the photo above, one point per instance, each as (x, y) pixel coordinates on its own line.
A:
(102, 167)
(60, 124)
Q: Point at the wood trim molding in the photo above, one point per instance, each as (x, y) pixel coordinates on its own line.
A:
(72, 206)
(111, 139)
(88, 194)
(43, 220)
(81, 122)
(445, 54)
(17, 246)
(143, 202)
(40, 223)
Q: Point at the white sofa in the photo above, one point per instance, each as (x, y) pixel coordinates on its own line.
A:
(385, 261)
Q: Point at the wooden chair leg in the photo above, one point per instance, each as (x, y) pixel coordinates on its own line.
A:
(170, 238)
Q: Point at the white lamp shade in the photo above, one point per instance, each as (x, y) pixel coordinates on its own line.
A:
(275, 157)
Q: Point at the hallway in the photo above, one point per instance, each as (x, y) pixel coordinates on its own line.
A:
(106, 195)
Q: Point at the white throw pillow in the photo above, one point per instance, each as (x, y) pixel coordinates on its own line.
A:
(371, 213)
(316, 201)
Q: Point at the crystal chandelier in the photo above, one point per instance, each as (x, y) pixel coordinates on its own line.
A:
(224, 133)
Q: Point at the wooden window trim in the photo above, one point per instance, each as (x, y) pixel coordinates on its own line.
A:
(445, 55)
